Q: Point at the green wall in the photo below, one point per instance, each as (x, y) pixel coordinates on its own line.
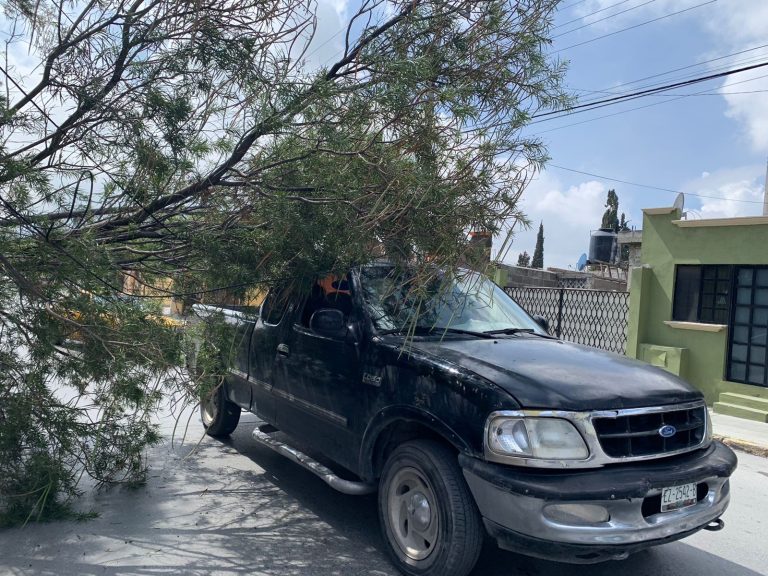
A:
(665, 244)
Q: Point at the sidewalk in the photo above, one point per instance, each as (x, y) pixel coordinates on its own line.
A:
(741, 434)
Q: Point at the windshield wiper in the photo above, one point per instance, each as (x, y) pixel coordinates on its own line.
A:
(437, 330)
(512, 331)
(461, 331)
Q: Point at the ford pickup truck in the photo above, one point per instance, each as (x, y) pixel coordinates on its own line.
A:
(469, 419)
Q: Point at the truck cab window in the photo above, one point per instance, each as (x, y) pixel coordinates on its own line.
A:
(274, 306)
(328, 292)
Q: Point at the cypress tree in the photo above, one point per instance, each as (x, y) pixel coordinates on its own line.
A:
(538, 253)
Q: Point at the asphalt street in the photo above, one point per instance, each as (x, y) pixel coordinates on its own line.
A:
(234, 507)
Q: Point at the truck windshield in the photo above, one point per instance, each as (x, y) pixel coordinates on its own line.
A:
(467, 301)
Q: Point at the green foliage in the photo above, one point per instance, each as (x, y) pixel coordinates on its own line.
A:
(611, 215)
(524, 259)
(612, 221)
(168, 151)
(538, 252)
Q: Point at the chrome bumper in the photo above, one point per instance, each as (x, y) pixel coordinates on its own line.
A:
(626, 524)
(526, 520)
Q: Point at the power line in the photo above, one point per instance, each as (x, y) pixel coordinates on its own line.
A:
(640, 93)
(608, 116)
(635, 26)
(566, 7)
(682, 95)
(590, 14)
(722, 67)
(588, 24)
(692, 65)
(653, 187)
(637, 107)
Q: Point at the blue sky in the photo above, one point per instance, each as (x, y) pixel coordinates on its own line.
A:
(714, 144)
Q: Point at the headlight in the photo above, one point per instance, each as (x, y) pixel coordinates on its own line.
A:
(543, 438)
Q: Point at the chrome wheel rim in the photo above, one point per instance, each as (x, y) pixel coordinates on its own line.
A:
(210, 408)
(413, 516)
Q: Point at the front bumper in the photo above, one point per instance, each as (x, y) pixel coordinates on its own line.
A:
(515, 504)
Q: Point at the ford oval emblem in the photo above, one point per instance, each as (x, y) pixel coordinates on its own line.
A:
(667, 431)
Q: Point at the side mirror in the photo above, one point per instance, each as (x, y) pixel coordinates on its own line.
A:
(543, 322)
(328, 322)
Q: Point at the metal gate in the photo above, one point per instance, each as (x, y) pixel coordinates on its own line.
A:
(748, 329)
(596, 318)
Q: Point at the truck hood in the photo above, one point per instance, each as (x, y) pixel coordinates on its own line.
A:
(552, 374)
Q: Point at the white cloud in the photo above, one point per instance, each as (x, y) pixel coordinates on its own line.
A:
(736, 30)
(328, 43)
(731, 193)
(733, 26)
(568, 215)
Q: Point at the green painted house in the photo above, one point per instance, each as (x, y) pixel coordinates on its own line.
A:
(699, 306)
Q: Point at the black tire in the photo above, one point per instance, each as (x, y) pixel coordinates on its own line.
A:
(220, 416)
(429, 470)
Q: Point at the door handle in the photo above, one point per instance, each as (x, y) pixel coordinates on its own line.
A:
(283, 350)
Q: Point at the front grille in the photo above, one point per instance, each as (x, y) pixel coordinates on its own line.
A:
(639, 434)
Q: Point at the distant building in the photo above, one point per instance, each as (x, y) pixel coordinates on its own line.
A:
(633, 239)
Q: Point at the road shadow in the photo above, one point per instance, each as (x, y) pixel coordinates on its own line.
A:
(215, 512)
(357, 519)
(235, 507)
(675, 559)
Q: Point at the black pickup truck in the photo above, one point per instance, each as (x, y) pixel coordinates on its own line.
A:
(469, 418)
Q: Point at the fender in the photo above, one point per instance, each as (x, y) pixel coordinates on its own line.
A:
(400, 412)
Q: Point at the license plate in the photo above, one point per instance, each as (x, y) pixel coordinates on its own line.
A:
(678, 497)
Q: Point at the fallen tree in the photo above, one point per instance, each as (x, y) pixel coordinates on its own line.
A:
(195, 149)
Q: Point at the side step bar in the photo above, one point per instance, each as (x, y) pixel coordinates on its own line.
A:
(325, 474)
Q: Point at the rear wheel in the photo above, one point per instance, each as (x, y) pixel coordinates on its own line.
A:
(220, 416)
(428, 517)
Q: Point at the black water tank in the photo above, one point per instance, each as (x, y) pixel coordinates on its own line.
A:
(602, 246)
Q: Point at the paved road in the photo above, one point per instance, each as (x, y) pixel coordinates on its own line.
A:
(236, 508)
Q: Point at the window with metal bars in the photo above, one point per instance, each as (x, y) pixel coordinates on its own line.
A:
(702, 293)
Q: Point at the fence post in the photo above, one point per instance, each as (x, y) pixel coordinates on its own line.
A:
(560, 313)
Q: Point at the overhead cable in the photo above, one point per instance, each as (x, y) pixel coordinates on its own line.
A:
(588, 24)
(635, 26)
(653, 187)
(640, 93)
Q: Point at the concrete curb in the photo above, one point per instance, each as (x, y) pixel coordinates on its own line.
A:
(744, 445)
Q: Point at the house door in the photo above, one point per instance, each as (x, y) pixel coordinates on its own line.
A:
(748, 332)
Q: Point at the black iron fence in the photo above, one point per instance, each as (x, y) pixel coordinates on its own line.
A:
(593, 317)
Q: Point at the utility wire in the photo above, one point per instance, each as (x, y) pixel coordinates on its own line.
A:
(636, 108)
(672, 99)
(634, 26)
(668, 72)
(571, 5)
(722, 67)
(588, 24)
(590, 14)
(665, 94)
(640, 93)
(653, 187)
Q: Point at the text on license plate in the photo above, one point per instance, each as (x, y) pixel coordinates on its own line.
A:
(678, 497)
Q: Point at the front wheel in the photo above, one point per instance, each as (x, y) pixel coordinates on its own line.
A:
(220, 416)
(428, 517)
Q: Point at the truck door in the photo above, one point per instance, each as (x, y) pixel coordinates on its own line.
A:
(320, 395)
(237, 377)
(267, 335)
